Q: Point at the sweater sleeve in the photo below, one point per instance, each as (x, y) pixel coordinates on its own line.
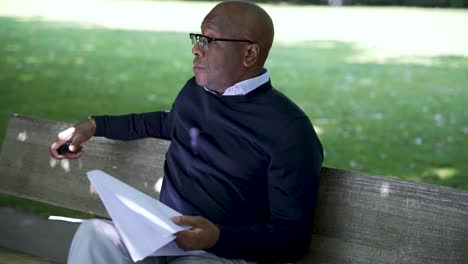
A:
(293, 180)
(135, 126)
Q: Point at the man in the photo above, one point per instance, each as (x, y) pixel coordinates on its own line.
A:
(244, 162)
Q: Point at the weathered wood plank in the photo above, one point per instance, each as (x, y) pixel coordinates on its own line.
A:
(368, 219)
(359, 218)
(36, 235)
(28, 171)
(8, 256)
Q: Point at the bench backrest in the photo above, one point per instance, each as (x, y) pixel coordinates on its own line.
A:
(359, 218)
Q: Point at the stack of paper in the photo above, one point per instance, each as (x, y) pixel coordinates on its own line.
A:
(143, 222)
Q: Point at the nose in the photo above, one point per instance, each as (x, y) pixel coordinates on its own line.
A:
(197, 50)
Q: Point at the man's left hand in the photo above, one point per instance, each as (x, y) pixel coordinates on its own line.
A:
(204, 234)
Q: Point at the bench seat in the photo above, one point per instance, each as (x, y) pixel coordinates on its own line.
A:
(359, 218)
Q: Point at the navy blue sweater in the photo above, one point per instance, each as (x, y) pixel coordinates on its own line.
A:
(250, 164)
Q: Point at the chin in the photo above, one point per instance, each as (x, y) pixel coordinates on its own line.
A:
(200, 81)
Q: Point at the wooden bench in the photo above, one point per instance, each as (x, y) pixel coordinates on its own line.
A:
(359, 218)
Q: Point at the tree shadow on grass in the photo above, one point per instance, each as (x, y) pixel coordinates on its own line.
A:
(404, 117)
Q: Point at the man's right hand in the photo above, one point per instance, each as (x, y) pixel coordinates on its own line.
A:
(76, 135)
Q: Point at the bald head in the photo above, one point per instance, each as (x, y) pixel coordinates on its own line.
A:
(241, 36)
(244, 20)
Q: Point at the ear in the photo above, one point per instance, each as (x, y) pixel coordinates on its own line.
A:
(251, 55)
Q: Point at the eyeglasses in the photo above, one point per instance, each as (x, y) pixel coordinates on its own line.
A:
(203, 40)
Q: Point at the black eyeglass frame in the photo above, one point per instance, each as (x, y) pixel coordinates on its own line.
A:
(210, 40)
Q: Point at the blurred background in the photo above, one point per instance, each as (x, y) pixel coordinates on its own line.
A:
(385, 82)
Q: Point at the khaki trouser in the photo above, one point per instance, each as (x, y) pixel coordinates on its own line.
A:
(98, 241)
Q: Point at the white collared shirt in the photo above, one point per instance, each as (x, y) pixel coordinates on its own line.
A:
(246, 86)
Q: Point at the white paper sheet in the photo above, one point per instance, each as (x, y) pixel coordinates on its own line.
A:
(143, 222)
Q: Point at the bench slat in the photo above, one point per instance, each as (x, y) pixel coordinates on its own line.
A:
(363, 219)
(359, 218)
(28, 171)
(16, 257)
(35, 235)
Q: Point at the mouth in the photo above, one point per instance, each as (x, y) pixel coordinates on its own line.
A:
(197, 67)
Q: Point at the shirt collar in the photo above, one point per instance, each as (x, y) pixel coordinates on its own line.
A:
(246, 86)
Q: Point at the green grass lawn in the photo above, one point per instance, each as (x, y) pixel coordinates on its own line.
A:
(403, 117)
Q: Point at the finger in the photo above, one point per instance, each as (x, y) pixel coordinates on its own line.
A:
(57, 144)
(194, 221)
(62, 138)
(66, 134)
(75, 145)
(53, 152)
(183, 239)
(53, 149)
(181, 234)
(74, 155)
(181, 244)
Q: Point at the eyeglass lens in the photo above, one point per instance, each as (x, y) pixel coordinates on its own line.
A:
(201, 40)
